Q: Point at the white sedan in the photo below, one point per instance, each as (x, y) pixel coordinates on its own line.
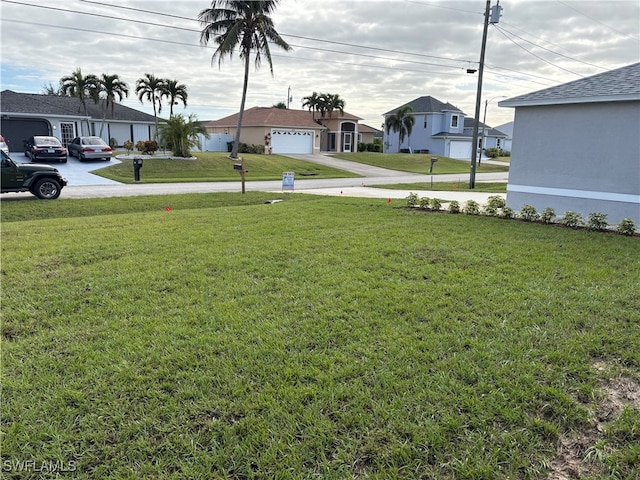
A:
(89, 148)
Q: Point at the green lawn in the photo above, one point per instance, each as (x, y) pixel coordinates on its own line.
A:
(418, 163)
(216, 336)
(217, 167)
(488, 187)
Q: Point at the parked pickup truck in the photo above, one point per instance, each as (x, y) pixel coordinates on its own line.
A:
(44, 181)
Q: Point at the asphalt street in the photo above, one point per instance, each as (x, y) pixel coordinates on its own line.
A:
(84, 184)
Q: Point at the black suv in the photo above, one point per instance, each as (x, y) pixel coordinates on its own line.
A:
(44, 181)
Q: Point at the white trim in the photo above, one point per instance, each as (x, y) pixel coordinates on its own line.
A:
(565, 192)
(457, 117)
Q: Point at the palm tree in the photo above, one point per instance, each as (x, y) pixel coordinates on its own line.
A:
(182, 134)
(402, 121)
(246, 25)
(312, 102)
(111, 87)
(151, 88)
(175, 91)
(333, 102)
(82, 86)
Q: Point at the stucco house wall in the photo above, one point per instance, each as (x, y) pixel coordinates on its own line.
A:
(576, 147)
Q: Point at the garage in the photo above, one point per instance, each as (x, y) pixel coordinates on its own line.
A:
(460, 149)
(285, 141)
(16, 130)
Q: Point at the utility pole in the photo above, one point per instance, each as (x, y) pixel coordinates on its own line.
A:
(495, 17)
(288, 96)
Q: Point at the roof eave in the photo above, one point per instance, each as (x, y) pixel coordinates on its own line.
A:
(568, 101)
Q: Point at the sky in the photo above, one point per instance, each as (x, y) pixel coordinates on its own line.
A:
(376, 55)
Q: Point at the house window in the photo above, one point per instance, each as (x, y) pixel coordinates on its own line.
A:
(454, 121)
(498, 143)
(66, 132)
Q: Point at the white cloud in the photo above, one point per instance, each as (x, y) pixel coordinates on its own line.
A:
(40, 45)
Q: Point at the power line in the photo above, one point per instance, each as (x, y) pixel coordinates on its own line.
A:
(597, 21)
(533, 54)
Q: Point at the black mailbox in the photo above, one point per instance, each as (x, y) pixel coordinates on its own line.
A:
(433, 160)
(137, 165)
(237, 166)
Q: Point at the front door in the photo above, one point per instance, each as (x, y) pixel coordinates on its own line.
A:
(67, 132)
(348, 139)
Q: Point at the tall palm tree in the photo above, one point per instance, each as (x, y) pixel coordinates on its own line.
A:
(402, 122)
(175, 91)
(111, 87)
(84, 87)
(151, 88)
(246, 25)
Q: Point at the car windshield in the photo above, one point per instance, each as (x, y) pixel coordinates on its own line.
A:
(47, 141)
(93, 141)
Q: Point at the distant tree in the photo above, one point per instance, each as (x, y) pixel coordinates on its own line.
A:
(247, 25)
(111, 87)
(51, 90)
(152, 89)
(84, 87)
(402, 122)
(181, 134)
(280, 105)
(175, 91)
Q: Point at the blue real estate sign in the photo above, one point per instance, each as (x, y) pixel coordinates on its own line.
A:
(287, 181)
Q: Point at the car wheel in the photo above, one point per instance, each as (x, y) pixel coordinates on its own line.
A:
(81, 157)
(47, 189)
(64, 160)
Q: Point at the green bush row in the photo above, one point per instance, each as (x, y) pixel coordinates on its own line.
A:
(496, 207)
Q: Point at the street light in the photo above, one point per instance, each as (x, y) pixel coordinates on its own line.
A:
(484, 124)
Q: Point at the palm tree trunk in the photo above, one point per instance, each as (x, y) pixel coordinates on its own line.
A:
(236, 140)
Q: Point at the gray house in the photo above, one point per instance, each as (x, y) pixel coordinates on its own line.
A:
(576, 146)
(26, 114)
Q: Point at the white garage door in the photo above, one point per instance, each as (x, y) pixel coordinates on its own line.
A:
(459, 149)
(291, 141)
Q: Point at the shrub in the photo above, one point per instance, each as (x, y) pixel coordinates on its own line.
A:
(454, 207)
(148, 147)
(508, 212)
(113, 143)
(435, 204)
(572, 219)
(496, 201)
(246, 148)
(597, 221)
(626, 227)
(492, 152)
(412, 200)
(424, 202)
(490, 211)
(128, 146)
(548, 214)
(471, 207)
(529, 213)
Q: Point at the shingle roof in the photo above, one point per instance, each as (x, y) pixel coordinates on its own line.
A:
(427, 105)
(621, 84)
(489, 131)
(275, 117)
(38, 104)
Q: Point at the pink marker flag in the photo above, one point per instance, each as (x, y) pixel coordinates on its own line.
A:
(167, 208)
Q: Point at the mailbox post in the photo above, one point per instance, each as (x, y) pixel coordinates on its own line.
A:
(137, 165)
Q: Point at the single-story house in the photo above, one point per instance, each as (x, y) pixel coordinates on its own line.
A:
(291, 131)
(366, 133)
(576, 147)
(507, 129)
(439, 128)
(26, 114)
(488, 137)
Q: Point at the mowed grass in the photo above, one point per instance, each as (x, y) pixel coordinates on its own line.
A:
(312, 338)
(418, 163)
(217, 167)
(488, 187)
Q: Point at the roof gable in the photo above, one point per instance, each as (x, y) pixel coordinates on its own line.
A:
(621, 84)
(427, 104)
